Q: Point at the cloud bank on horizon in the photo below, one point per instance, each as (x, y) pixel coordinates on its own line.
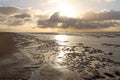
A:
(30, 17)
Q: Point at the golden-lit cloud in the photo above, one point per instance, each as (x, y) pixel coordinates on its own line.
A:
(90, 20)
(19, 19)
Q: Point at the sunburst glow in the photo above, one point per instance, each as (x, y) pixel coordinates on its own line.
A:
(67, 10)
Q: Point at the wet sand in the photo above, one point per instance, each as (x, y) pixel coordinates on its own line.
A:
(27, 57)
(10, 66)
(7, 45)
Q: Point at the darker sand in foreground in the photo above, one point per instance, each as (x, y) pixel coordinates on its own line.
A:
(7, 45)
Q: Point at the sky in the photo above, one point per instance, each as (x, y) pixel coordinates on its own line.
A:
(59, 15)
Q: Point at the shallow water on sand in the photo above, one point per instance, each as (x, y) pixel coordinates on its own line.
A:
(89, 39)
(63, 56)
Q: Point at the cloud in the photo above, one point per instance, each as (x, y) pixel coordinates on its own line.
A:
(104, 15)
(17, 17)
(103, 1)
(23, 15)
(90, 20)
(14, 22)
(8, 10)
(110, 0)
(13, 16)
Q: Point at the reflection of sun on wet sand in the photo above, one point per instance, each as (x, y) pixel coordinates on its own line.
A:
(38, 58)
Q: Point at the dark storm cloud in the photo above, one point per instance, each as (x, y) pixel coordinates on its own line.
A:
(103, 20)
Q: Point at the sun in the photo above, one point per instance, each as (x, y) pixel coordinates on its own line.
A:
(67, 10)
